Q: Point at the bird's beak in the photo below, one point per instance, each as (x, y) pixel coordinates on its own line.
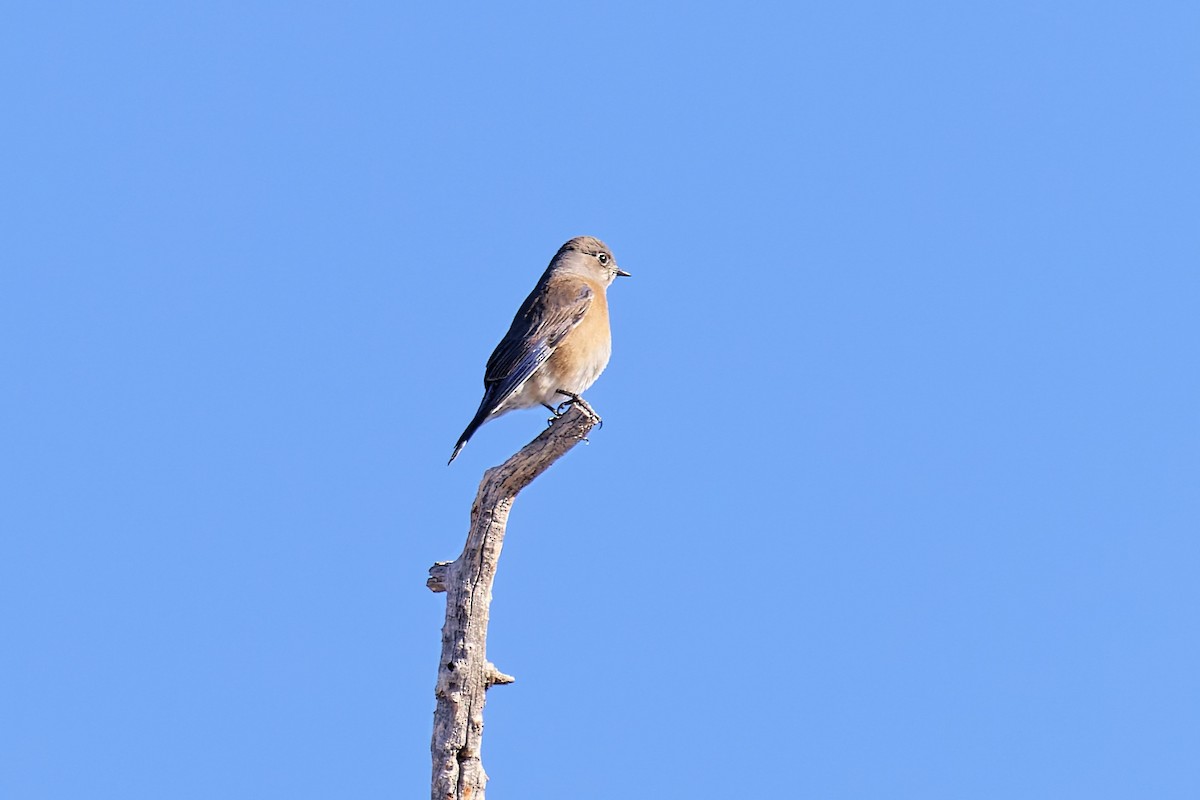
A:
(622, 273)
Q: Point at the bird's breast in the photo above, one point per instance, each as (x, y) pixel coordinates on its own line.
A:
(584, 353)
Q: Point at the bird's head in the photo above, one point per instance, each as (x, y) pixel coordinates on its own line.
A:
(589, 257)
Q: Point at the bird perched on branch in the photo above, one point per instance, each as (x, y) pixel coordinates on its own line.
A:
(559, 341)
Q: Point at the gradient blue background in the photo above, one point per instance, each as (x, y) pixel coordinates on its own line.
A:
(899, 489)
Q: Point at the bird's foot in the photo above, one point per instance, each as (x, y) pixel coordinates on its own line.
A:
(576, 400)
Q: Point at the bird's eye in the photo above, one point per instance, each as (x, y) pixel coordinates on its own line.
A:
(603, 257)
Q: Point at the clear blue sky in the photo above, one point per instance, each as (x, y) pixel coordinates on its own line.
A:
(899, 488)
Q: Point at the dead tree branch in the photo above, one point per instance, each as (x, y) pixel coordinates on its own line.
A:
(464, 673)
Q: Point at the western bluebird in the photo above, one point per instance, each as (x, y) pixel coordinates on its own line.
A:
(559, 341)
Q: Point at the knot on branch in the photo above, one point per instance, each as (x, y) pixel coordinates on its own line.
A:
(494, 677)
(439, 575)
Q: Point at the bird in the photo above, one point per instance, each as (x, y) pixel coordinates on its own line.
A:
(558, 343)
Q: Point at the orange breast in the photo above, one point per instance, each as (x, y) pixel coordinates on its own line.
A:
(585, 351)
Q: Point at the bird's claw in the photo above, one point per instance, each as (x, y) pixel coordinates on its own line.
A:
(576, 400)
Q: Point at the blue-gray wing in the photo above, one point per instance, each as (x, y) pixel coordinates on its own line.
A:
(550, 312)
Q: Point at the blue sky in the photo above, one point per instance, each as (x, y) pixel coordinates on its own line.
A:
(897, 494)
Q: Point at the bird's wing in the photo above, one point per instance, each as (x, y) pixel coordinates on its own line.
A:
(550, 312)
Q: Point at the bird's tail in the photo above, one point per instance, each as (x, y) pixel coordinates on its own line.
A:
(480, 417)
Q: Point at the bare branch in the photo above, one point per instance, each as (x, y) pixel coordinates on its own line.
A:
(464, 673)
